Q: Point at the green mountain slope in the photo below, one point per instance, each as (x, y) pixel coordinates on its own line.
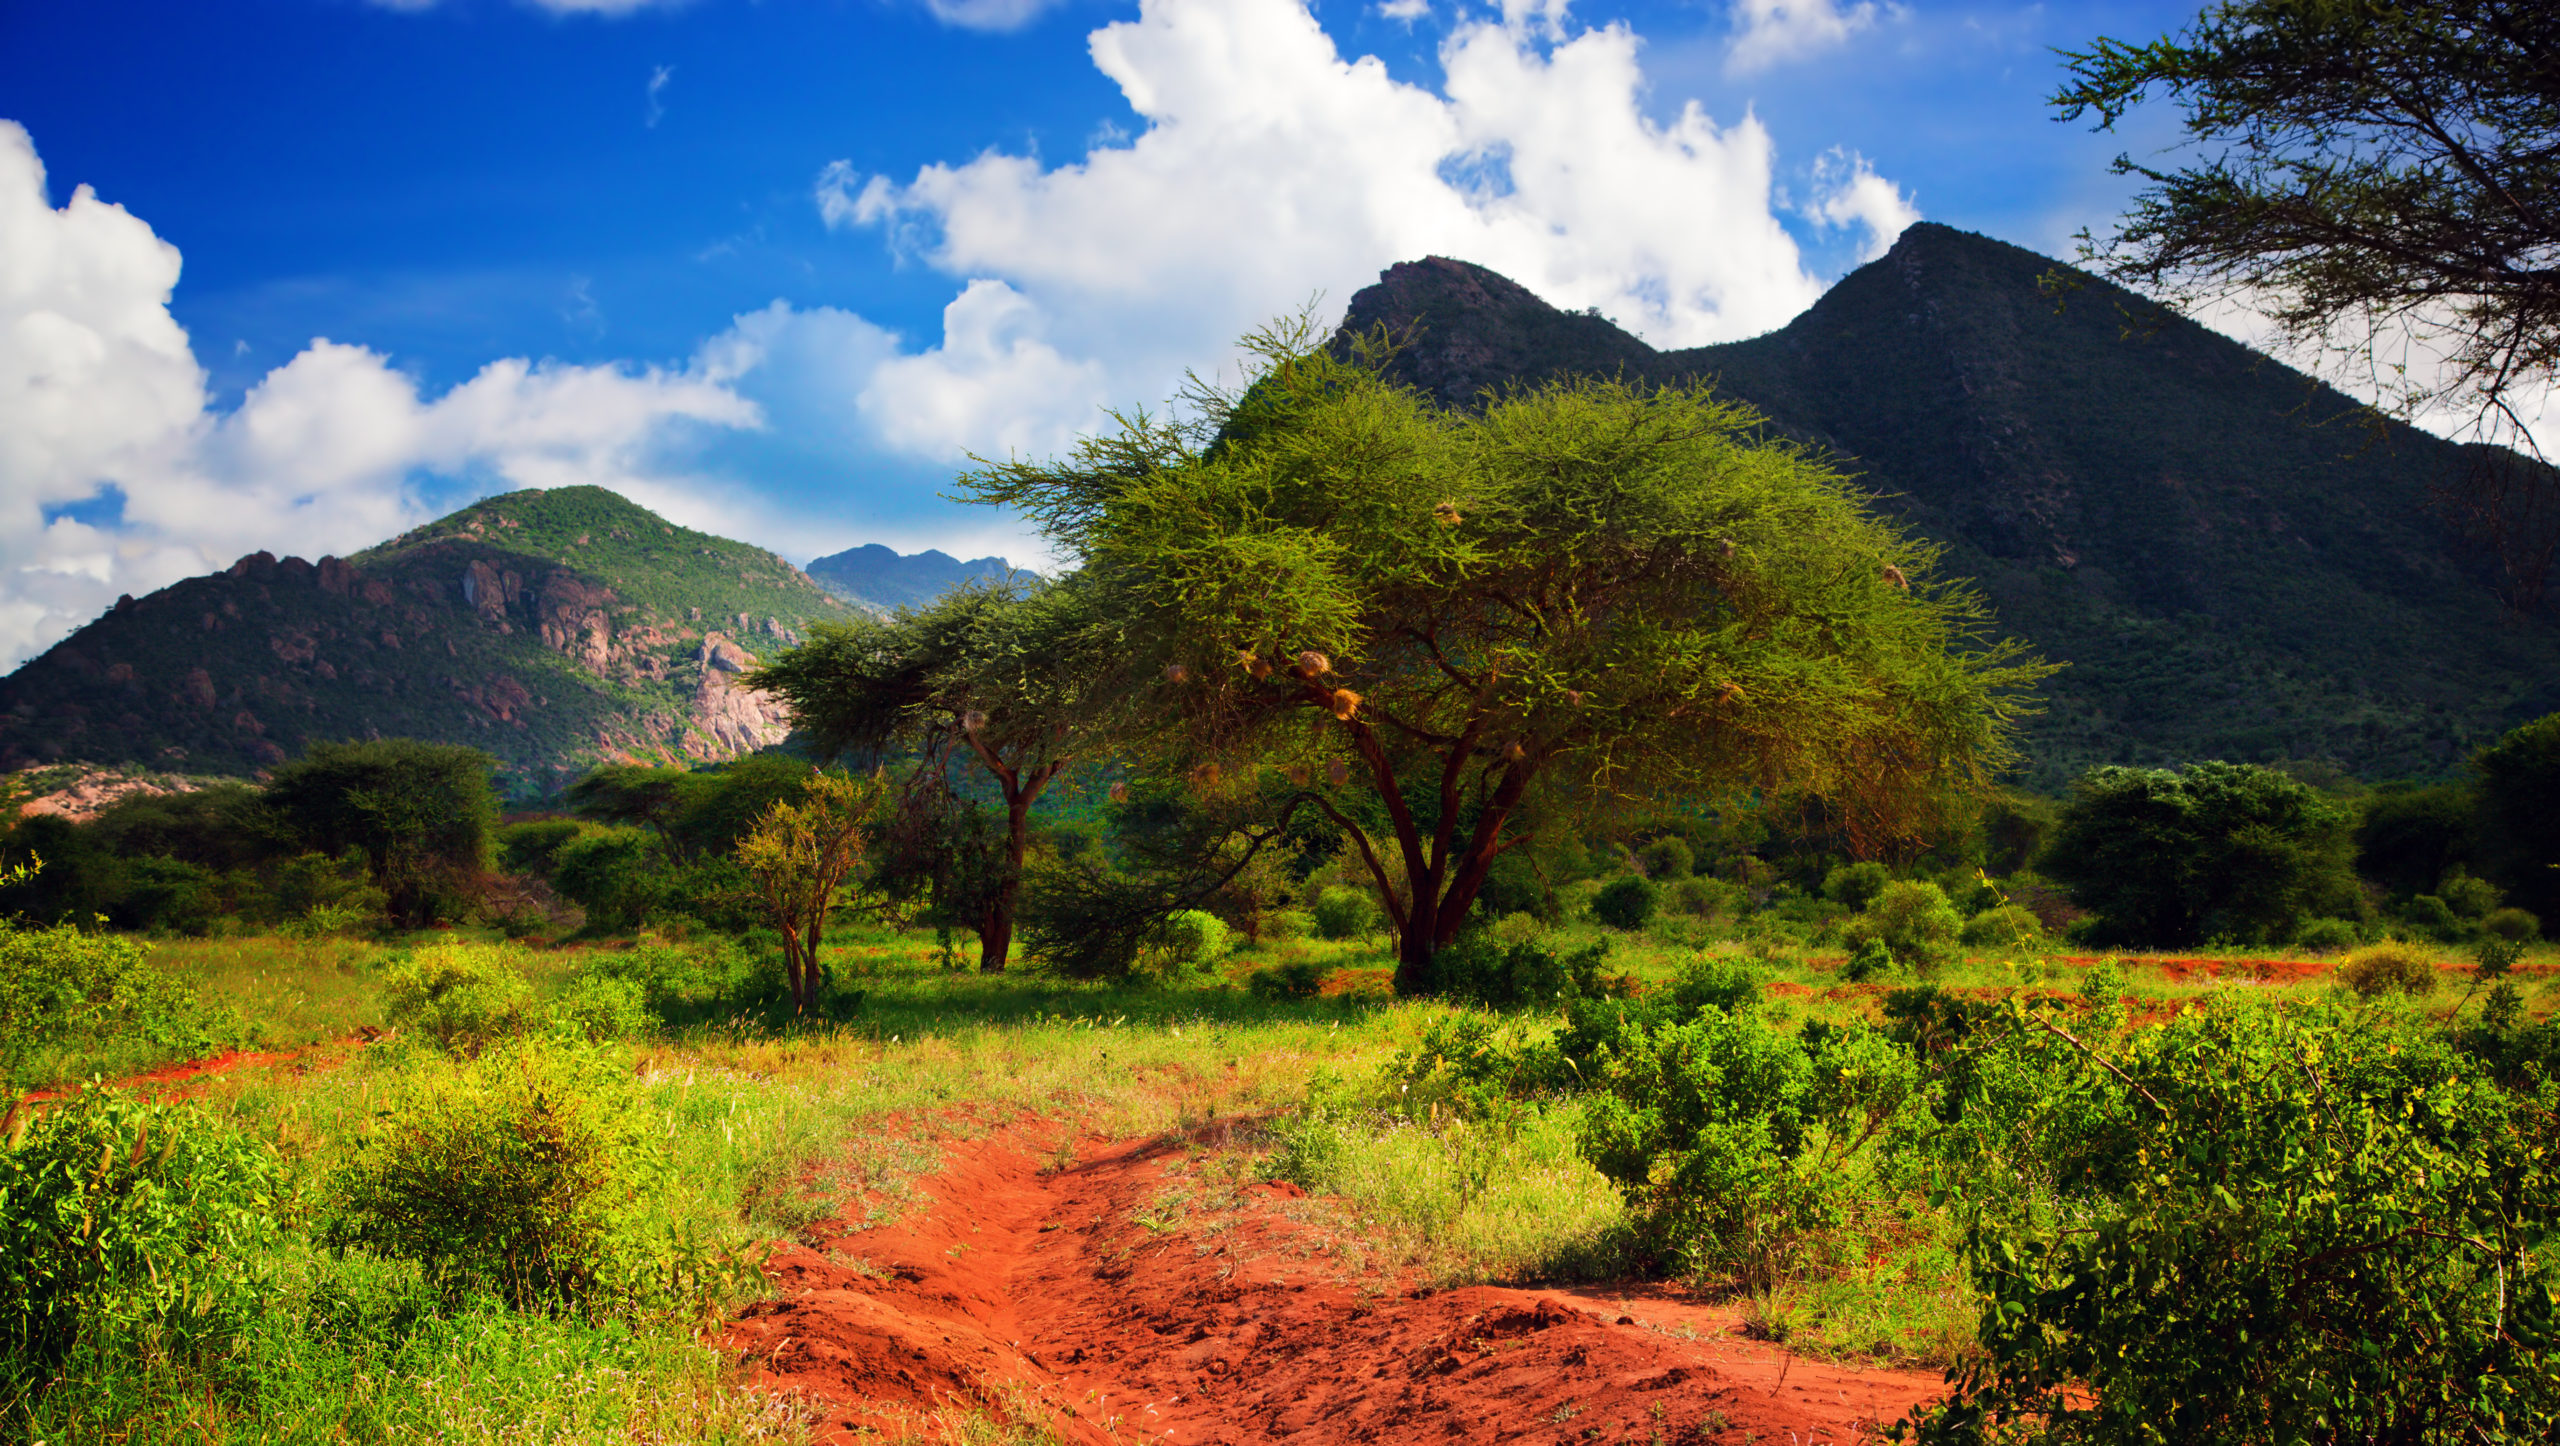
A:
(553, 629)
(2232, 563)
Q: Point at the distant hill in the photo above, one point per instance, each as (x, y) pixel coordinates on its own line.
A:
(2234, 565)
(881, 580)
(554, 629)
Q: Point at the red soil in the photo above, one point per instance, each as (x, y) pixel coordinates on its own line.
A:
(197, 1069)
(1063, 1296)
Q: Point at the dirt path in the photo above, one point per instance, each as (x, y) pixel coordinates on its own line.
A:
(186, 1072)
(1115, 1300)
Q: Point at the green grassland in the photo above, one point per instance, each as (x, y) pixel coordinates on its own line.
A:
(770, 1126)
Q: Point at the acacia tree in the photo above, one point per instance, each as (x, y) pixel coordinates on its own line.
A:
(2381, 177)
(1001, 676)
(800, 854)
(422, 813)
(1586, 592)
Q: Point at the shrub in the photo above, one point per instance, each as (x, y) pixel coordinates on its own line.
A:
(618, 875)
(2467, 895)
(1869, 960)
(60, 986)
(2343, 1198)
(2102, 995)
(1191, 939)
(1705, 898)
(672, 977)
(603, 1009)
(118, 1217)
(1732, 1142)
(2007, 926)
(530, 847)
(2514, 925)
(2326, 936)
(1913, 919)
(2387, 969)
(1298, 979)
(2435, 918)
(1625, 903)
(1667, 857)
(1856, 885)
(462, 996)
(524, 1174)
(1512, 886)
(1479, 968)
(1344, 913)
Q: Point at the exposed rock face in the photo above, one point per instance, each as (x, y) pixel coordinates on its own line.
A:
(731, 719)
(91, 792)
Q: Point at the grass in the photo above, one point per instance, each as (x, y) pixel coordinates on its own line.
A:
(770, 1132)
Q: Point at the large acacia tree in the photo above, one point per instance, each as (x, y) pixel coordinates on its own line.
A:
(1585, 592)
(1001, 679)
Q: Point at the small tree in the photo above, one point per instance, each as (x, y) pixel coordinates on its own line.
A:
(423, 813)
(1587, 593)
(2518, 793)
(800, 854)
(2219, 850)
(1001, 676)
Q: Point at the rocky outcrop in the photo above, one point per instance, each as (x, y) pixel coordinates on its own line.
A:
(726, 718)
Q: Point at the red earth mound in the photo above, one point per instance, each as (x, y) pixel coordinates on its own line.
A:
(1117, 1299)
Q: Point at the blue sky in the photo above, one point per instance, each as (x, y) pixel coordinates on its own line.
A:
(775, 266)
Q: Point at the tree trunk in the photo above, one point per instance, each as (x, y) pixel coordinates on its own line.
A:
(995, 940)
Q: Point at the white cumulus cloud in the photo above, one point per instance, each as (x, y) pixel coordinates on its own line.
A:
(1270, 167)
(1849, 194)
(1768, 32)
(102, 401)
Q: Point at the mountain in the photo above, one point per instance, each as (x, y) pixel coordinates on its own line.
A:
(554, 629)
(880, 580)
(2232, 561)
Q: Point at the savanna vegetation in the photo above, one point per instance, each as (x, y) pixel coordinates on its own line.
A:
(1565, 838)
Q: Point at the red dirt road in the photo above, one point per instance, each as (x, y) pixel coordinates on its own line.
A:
(1118, 1300)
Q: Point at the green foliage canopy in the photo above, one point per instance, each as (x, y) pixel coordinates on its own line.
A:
(1586, 592)
(2519, 813)
(2216, 851)
(423, 813)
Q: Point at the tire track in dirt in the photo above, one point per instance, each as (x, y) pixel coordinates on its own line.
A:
(1070, 1297)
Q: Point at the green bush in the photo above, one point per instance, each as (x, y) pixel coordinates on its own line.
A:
(1537, 972)
(464, 997)
(1667, 857)
(2388, 969)
(2305, 1228)
(1912, 919)
(2102, 995)
(1298, 979)
(2514, 925)
(1739, 1149)
(61, 987)
(1512, 886)
(1705, 898)
(603, 1009)
(2435, 918)
(620, 876)
(1625, 902)
(531, 847)
(120, 1221)
(2469, 896)
(2007, 926)
(2326, 936)
(1856, 885)
(1872, 959)
(525, 1175)
(1344, 913)
(1191, 939)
